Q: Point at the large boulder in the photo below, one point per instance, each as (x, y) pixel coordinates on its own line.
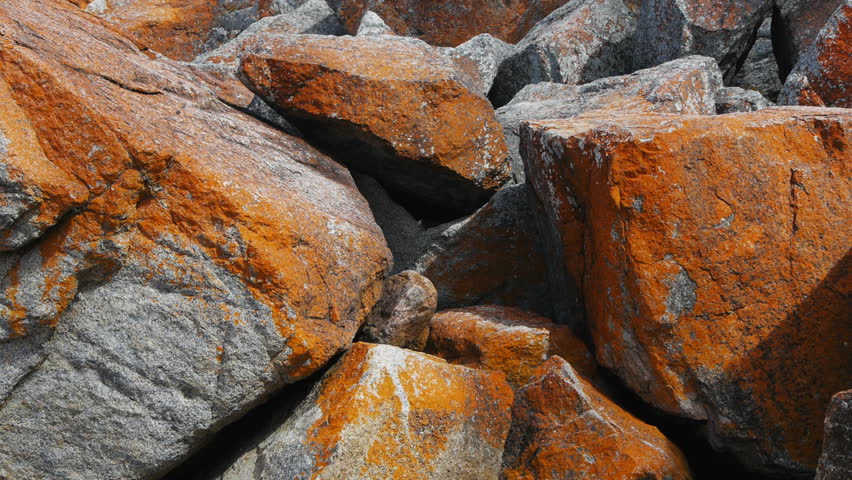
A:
(392, 107)
(685, 86)
(561, 424)
(714, 264)
(385, 413)
(451, 22)
(822, 76)
(582, 41)
(835, 463)
(669, 29)
(795, 25)
(168, 261)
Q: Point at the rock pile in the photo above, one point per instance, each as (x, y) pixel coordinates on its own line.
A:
(527, 239)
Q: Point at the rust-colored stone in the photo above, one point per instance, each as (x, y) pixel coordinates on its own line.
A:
(505, 339)
(714, 263)
(561, 424)
(393, 107)
(451, 22)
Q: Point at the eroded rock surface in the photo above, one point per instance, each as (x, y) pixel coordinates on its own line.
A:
(795, 25)
(401, 317)
(760, 69)
(735, 99)
(835, 463)
(714, 264)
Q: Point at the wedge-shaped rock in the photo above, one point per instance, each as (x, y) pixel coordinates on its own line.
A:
(393, 107)
(795, 25)
(760, 69)
(205, 260)
(504, 339)
(385, 413)
(669, 29)
(401, 317)
(822, 76)
(835, 463)
(451, 22)
(583, 40)
(716, 263)
(685, 86)
(561, 424)
(480, 57)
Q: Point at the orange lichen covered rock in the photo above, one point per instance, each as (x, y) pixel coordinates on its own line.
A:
(196, 259)
(504, 339)
(393, 107)
(823, 76)
(451, 22)
(713, 258)
(384, 413)
(563, 428)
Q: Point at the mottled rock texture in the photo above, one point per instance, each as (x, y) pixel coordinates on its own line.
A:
(480, 57)
(563, 428)
(686, 86)
(735, 99)
(451, 22)
(401, 317)
(835, 463)
(371, 24)
(385, 413)
(168, 261)
(583, 40)
(823, 76)
(760, 69)
(714, 264)
(392, 107)
(504, 339)
(669, 29)
(795, 25)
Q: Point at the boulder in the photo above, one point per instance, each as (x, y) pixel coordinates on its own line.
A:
(372, 25)
(392, 107)
(835, 463)
(401, 317)
(451, 22)
(171, 261)
(385, 413)
(480, 57)
(582, 41)
(670, 29)
(795, 25)
(822, 76)
(505, 339)
(684, 86)
(760, 69)
(735, 99)
(714, 264)
(562, 426)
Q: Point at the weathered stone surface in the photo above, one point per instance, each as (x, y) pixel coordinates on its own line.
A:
(686, 86)
(669, 29)
(505, 339)
(385, 413)
(760, 69)
(735, 99)
(795, 25)
(392, 107)
(823, 76)
(371, 25)
(835, 463)
(714, 264)
(582, 41)
(480, 57)
(401, 317)
(207, 260)
(562, 426)
(451, 22)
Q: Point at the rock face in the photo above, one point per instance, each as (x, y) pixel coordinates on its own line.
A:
(735, 99)
(836, 460)
(371, 25)
(822, 76)
(385, 413)
(689, 226)
(760, 69)
(583, 40)
(392, 107)
(451, 22)
(669, 29)
(504, 339)
(795, 25)
(480, 57)
(168, 261)
(401, 317)
(686, 86)
(561, 424)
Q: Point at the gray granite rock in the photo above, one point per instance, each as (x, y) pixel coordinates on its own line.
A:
(795, 25)
(735, 99)
(835, 463)
(401, 317)
(372, 25)
(480, 57)
(760, 70)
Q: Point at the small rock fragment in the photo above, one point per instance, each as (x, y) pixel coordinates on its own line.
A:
(401, 317)
(735, 99)
(372, 25)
